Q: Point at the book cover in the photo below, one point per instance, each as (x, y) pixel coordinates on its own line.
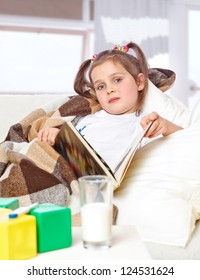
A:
(84, 160)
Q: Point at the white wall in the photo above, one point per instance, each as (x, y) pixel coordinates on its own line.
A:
(178, 48)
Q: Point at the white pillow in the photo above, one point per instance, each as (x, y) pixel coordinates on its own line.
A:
(195, 114)
(166, 106)
(161, 190)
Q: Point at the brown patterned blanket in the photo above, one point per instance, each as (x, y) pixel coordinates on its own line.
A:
(33, 171)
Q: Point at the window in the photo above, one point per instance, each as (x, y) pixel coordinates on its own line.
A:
(42, 55)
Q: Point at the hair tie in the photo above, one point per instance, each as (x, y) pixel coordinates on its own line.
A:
(116, 47)
(93, 58)
(121, 48)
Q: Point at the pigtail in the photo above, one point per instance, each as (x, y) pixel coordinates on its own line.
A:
(143, 65)
(142, 68)
(81, 84)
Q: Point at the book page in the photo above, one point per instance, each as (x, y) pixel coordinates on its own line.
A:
(81, 157)
(123, 165)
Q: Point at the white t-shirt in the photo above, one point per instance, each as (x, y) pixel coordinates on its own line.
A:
(110, 135)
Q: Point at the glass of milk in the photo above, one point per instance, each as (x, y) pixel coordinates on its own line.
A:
(96, 193)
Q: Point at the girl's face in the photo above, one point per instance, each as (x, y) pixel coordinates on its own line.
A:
(115, 88)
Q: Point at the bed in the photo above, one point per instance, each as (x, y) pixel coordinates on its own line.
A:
(164, 181)
(146, 170)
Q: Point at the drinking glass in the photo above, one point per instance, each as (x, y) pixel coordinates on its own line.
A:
(96, 193)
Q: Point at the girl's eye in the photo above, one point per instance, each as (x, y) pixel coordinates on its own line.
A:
(117, 80)
(100, 87)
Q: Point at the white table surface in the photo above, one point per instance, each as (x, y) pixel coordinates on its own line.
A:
(126, 244)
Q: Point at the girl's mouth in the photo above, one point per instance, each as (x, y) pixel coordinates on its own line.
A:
(114, 99)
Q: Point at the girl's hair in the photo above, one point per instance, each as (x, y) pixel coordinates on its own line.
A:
(134, 64)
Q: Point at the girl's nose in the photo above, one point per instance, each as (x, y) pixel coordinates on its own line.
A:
(111, 90)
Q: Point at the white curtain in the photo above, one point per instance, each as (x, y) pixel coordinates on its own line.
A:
(142, 21)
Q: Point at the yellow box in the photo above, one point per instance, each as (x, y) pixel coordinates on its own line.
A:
(18, 240)
(4, 214)
(4, 211)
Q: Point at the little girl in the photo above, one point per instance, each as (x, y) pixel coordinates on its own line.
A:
(118, 80)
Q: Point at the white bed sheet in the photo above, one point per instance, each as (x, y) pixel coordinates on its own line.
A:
(167, 252)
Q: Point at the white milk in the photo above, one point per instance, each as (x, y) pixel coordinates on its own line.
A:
(96, 220)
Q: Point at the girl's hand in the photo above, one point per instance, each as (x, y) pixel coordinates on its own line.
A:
(159, 126)
(48, 135)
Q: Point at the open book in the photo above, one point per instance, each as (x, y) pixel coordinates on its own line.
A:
(84, 160)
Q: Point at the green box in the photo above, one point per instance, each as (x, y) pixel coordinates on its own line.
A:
(54, 227)
(9, 202)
